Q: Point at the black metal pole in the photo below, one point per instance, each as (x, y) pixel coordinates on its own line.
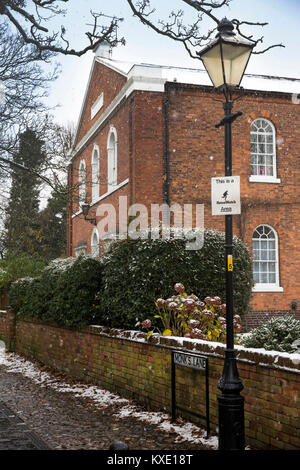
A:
(230, 403)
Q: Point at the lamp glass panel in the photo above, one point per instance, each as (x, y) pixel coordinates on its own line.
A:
(235, 61)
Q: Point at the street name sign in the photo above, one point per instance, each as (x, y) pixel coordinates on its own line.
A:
(190, 360)
(225, 195)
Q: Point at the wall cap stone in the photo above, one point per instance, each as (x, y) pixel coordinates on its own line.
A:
(258, 356)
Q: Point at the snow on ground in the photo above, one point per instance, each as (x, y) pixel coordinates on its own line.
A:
(102, 398)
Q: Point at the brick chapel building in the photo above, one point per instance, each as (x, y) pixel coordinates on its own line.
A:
(148, 132)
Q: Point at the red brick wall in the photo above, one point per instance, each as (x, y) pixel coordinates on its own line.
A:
(195, 154)
(196, 150)
(148, 148)
(81, 229)
(141, 370)
(103, 80)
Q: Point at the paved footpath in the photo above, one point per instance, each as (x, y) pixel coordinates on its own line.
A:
(37, 416)
(15, 435)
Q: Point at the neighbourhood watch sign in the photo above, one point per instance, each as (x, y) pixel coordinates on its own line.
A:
(225, 195)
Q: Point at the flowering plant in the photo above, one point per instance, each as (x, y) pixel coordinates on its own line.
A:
(185, 315)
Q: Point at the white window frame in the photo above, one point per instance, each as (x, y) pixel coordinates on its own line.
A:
(265, 178)
(95, 173)
(95, 248)
(112, 159)
(81, 182)
(268, 287)
(97, 105)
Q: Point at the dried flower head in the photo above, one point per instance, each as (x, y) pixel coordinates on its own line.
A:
(197, 334)
(146, 324)
(193, 324)
(179, 287)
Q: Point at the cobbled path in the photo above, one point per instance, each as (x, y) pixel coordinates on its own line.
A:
(36, 417)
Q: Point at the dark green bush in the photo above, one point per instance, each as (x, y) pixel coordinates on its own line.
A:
(64, 294)
(14, 267)
(137, 272)
(276, 334)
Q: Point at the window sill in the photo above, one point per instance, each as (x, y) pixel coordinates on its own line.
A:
(263, 179)
(108, 193)
(267, 288)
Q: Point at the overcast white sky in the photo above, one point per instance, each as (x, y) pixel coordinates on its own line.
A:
(144, 45)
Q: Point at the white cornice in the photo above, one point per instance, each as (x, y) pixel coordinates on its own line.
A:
(133, 84)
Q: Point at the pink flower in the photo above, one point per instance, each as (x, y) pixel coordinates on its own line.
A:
(146, 324)
(216, 301)
(238, 327)
(196, 333)
(237, 318)
(193, 324)
(160, 302)
(208, 313)
(190, 303)
(172, 305)
(179, 287)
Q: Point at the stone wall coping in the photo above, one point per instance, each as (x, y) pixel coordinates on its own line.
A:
(258, 356)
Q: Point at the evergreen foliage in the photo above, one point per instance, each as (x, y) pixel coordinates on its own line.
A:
(19, 266)
(22, 227)
(137, 272)
(53, 227)
(64, 294)
(276, 334)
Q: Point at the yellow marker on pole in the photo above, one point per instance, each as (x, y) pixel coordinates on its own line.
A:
(229, 263)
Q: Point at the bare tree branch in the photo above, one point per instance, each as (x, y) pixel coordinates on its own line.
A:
(38, 35)
(190, 35)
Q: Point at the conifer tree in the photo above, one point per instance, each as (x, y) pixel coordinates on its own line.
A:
(22, 214)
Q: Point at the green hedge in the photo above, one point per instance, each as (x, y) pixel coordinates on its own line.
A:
(14, 267)
(120, 289)
(64, 294)
(137, 272)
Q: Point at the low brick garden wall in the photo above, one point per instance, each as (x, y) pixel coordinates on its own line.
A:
(125, 363)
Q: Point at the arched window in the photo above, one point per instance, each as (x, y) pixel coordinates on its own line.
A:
(263, 150)
(95, 243)
(112, 159)
(82, 181)
(265, 257)
(95, 173)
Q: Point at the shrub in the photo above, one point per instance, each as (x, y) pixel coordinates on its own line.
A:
(185, 315)
(14, 267)
(276, 334)
(137, 272)
(64, 294)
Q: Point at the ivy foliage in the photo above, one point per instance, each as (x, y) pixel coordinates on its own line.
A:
(137, 272)
(64, 294)
(277, 334)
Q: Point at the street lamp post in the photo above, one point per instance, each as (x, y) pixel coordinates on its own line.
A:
(225, 60)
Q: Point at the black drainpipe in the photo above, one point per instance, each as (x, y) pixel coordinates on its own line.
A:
(166, 158)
